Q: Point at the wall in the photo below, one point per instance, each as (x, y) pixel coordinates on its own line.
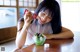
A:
(7, 34)
(70, 13)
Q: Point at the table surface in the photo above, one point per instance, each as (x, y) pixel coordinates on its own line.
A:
(59, 45)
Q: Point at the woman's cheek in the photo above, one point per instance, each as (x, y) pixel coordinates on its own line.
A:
(40, 14)
(48, 20)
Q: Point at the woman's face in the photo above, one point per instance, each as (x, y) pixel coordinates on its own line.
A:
(44, 17)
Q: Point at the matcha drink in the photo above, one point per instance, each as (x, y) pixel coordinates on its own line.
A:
(39, 39)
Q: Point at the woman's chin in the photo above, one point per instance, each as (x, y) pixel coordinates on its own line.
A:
(40, 22)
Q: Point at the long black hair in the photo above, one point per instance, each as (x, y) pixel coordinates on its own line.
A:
(54, 8)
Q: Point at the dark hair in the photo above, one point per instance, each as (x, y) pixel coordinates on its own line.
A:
(45, 4)
(54, 8)
(21, 20)
(49, 11)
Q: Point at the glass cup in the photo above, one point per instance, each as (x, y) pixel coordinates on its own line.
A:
(39, 39)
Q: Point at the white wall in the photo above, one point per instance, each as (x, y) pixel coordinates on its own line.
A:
(70, 13)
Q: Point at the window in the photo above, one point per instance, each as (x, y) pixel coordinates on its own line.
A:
(40, 1)
(26, 4)
(1, 2)
(8, 13)
(70, 0)
(7, 17)
(8, 2)
(11, 10)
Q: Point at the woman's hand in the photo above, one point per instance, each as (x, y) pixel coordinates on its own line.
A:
(48, 36)
(27, 14)
(27, 19)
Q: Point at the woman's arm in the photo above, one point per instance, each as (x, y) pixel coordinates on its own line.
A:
(65, 34)
(21, 35)
(22, 29)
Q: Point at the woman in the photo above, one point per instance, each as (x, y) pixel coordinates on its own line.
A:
(47, 22)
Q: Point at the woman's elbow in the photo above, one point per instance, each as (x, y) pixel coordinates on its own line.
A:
(71, 34)
(18, 44)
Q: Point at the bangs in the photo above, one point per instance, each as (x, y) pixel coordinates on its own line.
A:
(47, 10)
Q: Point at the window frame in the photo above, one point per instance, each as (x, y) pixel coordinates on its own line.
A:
(17, 7)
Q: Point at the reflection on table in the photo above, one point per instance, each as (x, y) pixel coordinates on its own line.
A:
(59, 45)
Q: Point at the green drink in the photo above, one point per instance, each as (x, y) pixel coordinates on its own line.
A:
(39, 39)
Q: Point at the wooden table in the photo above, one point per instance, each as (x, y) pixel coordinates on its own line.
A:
(66, 45)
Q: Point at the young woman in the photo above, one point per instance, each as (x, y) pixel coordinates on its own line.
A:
(47, 22)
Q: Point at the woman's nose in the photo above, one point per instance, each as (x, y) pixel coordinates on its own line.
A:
(43, 19)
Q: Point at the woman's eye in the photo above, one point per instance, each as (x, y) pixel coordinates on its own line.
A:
(43, 14)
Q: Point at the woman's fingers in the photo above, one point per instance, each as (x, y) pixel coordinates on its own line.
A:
(28, 20)
(27, 14)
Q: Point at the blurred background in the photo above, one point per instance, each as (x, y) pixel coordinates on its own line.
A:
(12, 10)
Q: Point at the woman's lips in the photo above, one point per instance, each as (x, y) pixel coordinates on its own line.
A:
(41, 22)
